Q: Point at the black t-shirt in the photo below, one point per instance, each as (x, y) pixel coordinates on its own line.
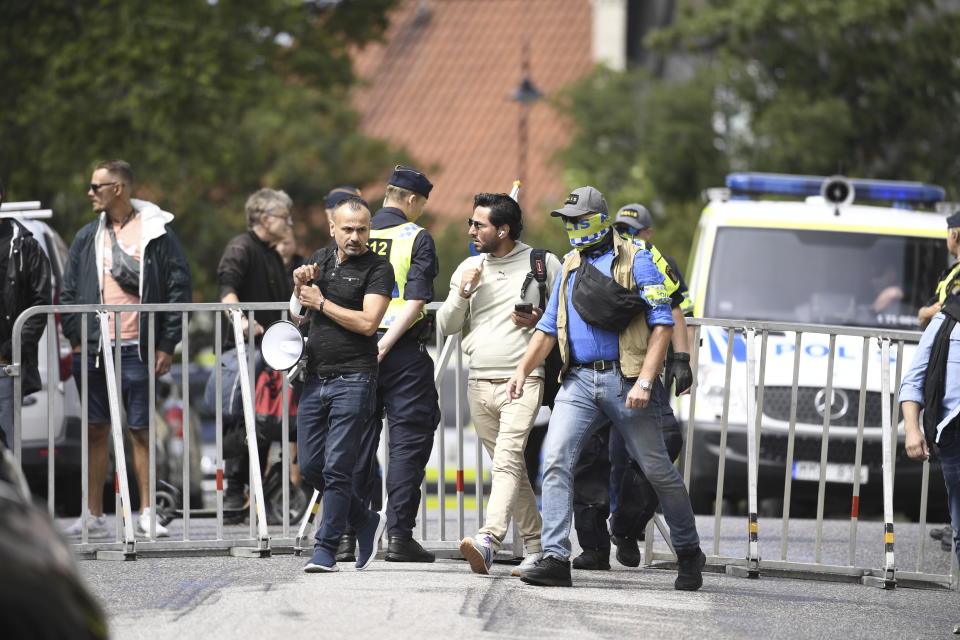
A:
(254, 271)
(331, 348)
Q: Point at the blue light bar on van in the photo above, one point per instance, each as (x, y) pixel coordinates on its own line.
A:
(801, 186)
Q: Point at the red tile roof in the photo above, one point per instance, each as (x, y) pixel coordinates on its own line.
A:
(440, 86)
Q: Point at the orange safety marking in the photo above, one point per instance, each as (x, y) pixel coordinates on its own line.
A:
(460, 480)
(855, 507)
(219, 479)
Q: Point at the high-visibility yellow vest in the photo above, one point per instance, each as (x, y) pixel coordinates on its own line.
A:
(670, 279)
(950, 284)
(396, 245)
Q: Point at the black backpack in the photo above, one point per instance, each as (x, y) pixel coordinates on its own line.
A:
(554, 362)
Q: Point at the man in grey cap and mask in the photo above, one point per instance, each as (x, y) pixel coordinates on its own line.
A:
(610, 314)
(604, 462)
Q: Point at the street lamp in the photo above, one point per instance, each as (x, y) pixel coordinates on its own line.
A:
(525, 95)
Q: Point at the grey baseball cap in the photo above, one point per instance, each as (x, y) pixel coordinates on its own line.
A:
(634, 215)
(581, 202)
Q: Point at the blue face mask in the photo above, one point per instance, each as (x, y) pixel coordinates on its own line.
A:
(586, 232)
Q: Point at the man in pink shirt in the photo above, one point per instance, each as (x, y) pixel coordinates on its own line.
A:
(127, 255)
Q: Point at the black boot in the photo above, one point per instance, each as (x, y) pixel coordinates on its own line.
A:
(402, 549)
(549, 571)
(347, 550)
(234, 502)
(628, 553)
(690, 562)
(593, 560)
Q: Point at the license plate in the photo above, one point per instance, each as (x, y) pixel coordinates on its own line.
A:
(805, 470)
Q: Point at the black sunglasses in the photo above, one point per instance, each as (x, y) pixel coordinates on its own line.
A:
(96, 187)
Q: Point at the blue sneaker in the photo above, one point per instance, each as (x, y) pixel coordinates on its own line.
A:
(321, 562)
(478, 551)
(368, 539)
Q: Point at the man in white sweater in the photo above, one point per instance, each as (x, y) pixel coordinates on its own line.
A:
(485, 291)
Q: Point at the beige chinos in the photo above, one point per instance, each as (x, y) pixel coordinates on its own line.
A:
(503, 427)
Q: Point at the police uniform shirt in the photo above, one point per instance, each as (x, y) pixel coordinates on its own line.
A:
(682, 293)
(331, 348)
(424, 266)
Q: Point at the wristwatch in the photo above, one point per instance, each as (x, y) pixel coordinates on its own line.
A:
(644, 385)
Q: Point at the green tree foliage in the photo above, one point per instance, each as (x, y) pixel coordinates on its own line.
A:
(640, 139)
(825, 86)
(867, 89)
(207, 100)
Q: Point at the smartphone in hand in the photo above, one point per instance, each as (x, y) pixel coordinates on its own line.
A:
(523, 307)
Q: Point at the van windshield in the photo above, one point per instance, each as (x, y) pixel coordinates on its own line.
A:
(822, 277)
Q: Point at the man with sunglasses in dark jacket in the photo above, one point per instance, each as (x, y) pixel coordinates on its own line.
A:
(127, 255)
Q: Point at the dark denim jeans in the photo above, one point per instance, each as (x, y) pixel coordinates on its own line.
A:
(950, 466)
(332, 417)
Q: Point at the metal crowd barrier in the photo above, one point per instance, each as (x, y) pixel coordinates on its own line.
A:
(441, 527)
(757, 429)
(258, 542)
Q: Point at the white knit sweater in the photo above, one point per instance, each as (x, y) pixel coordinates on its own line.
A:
(494, 343)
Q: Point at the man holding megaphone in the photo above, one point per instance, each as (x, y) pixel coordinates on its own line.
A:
(345, 288)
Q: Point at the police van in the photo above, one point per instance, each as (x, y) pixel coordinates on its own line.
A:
(809, 250)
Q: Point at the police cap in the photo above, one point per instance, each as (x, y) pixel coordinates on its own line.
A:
(338, 195)
(410, 179)
(953, 220)
(634, 215)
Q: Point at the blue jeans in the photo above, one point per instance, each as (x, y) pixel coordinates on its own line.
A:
(331, 420)
(134, 391)
(950, 466)
(587, 399)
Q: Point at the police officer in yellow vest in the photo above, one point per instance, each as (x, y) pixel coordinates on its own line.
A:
(950, 279)
(406, 389)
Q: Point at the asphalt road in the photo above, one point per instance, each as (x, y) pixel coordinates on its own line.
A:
(226, 597)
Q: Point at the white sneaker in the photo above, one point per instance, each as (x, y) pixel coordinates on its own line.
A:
(478, 551)
(143, 525)
(96, 526)
(528, 561)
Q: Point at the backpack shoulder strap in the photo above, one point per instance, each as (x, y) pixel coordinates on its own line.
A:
(538, 269)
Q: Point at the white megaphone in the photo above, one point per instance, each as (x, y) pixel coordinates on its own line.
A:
(282, 345)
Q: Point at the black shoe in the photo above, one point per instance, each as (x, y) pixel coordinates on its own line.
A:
(402, 549)
(550, 571)
(945, 543)
(628, 553)
(690, 563)
(234, 503)
(593, 560)
(347, 551)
